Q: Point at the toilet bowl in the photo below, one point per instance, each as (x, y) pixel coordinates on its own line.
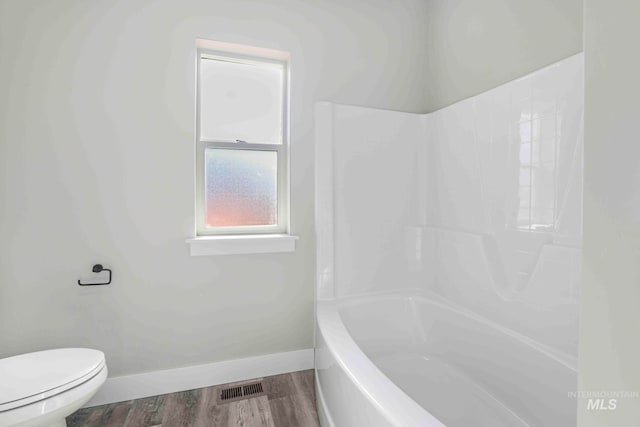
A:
(43, 388)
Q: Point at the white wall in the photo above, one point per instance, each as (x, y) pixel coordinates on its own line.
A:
(97, 165)
(610, 299)
(474, 46)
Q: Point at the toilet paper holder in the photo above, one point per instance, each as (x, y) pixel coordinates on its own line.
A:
(97, 268)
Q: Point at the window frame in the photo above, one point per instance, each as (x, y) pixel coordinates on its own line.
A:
(282, 150)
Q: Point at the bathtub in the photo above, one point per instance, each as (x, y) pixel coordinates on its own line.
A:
(411, 359)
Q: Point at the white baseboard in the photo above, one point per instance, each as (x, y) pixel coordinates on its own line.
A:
(118, 389)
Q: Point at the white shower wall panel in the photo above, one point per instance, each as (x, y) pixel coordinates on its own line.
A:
(476, 210)
(480, 202)
(505, 202)
(375, 164)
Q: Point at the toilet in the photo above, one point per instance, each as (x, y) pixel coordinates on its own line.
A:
(43, 388)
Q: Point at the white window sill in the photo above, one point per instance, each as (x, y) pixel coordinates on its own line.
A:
(242, 244)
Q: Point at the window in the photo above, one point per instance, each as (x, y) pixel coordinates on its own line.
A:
(538, 174)
(242, 147)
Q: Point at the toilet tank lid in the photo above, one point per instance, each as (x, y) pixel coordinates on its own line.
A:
(29, 375)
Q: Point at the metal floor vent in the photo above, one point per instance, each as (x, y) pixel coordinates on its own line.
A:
(251, 389)
(245, 391)
(231, 393)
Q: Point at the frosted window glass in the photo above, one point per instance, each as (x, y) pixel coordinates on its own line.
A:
(241, 101)
(241, 187)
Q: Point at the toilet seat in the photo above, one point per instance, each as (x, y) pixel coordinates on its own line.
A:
(32, 377)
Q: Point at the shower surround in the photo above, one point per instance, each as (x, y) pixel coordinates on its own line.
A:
(449, 249)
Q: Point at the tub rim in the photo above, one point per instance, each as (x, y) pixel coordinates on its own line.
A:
(431, 298)
(380, 390)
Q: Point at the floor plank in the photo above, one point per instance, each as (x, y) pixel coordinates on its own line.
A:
(304, 382)
(117, 414)
(181, 408)
(146, 412)
(293, 410)
(253, 412)
(280, 386)
(207, 409)
(289, 402)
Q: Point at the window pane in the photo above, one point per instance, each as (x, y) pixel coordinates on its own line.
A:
(241, 187)
(241, 101)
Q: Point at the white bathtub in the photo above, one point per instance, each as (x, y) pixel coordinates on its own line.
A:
(413, 360)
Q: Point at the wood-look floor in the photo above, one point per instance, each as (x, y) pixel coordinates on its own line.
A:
(289, 402)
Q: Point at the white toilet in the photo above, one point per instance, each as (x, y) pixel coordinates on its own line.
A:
(43, 388)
